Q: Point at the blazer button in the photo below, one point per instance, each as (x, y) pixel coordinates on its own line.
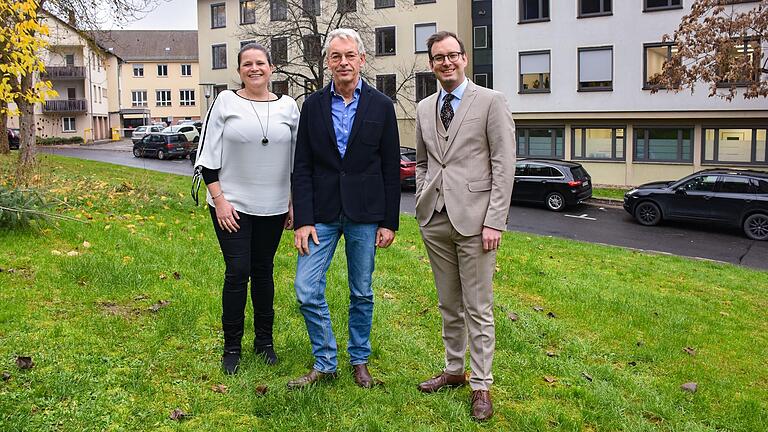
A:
(437, 189)
(343, 173)
(446, 138)
(443, 165)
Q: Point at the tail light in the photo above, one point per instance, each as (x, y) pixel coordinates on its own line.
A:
(169, 146)
(574, 183)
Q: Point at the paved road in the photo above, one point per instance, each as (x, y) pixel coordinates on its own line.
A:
(612, 226)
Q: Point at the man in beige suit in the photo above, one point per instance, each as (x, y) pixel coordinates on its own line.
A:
(465, 166)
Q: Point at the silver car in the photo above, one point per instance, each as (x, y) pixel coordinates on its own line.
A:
(141, 131)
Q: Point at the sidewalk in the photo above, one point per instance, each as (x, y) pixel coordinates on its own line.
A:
(124, 145)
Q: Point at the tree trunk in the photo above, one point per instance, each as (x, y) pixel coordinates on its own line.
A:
(27, 148)
(4, 145)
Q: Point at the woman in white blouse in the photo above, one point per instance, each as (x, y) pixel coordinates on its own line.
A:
(246, 159)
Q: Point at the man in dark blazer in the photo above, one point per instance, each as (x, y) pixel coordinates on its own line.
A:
(346, 181)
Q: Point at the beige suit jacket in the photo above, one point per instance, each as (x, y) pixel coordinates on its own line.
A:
(474, 169)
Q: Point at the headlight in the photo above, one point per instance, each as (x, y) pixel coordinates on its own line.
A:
(631, 192)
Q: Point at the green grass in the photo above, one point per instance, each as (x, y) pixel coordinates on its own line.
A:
(103, 361)
(611, 193)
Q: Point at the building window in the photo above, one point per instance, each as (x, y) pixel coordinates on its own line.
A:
(312, 48)
(534, 10)
(480, 37)
(665, 144)
(534, 72)
(310, 8)
(138, 70)
(162, 70)
(219, 56)
(387, 84)
(655, 55)
(247, 11)
(654, 5)
(421, 33)
(385, 41)
(481, 79)
(217, 89)
(68, 124)
(280, 87)
(69, 59)
(186, 70)
(218, 15)
(187, 97)
(743, 52)
(163, 98)
(426, 84)
(379, 4)
(596, 69)
(346, 6)
(597, 143)
(736, 146)
(540, 142)
(278, 10)
(279, 50)
(590, 8)
(139, 98)
(423, 1)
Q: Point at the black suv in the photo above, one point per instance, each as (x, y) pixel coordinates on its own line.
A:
(732, 197)
(163, 145)
(553, 182)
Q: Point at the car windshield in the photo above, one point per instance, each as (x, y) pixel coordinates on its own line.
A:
(141, 129)
(172, 129)
(173, 138)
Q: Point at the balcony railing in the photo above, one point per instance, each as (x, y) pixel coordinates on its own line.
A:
(64, 72)
(73, 105)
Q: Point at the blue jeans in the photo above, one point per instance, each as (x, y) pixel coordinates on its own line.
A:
(360, 248)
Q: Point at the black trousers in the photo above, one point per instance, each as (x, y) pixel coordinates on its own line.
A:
(249, 253)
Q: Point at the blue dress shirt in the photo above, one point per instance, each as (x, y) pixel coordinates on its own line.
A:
(343, 115)
(457, 93)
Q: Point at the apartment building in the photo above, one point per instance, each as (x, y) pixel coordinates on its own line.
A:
(576, 77)
(155, 76)
(394, 32)
(76, 68)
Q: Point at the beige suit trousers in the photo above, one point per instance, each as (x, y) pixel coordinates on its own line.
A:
(464, 279)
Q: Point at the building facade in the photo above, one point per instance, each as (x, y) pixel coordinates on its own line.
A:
(576, 77)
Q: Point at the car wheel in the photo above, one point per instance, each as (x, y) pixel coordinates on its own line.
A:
(555, 201)
(161, 154)
(756, 226)
(648, 213)
(136, 152)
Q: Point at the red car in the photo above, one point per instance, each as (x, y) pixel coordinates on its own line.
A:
(407, 167)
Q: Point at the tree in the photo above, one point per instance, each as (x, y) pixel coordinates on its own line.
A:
(722, 44)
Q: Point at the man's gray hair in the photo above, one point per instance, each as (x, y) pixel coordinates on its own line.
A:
(344, 33)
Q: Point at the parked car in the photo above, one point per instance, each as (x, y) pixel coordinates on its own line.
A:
(163, 145)
(729, 197)
(552, 182)
(189, 130)
(13, 138)
(407, 167)
(141, 131)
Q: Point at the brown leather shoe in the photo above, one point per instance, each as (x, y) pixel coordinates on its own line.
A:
(482, 407)
(444, 379)
(309, 379)
(362, 376)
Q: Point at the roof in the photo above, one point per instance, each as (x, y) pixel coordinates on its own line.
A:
(150, 45)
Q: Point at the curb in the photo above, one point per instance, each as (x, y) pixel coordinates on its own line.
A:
(604, 202)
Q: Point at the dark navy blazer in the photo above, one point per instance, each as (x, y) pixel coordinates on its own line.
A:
(365, 184)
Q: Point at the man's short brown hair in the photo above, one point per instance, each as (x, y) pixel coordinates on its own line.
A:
(442, 35)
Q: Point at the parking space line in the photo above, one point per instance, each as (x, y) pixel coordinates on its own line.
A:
(584, 216)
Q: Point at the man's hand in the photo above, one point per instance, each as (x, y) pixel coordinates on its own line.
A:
(491, 239)
(301, 238)
(384, 237)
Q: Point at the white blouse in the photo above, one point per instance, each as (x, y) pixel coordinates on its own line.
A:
(254, 177)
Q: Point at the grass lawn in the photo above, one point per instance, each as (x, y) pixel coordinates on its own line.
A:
(78, 297)
(605, 192)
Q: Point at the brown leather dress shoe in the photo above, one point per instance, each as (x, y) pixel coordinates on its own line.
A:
(444, 379)
(362, 376)
(309, 379)
(482, 408)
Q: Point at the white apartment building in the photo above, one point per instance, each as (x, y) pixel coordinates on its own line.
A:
(575, 74)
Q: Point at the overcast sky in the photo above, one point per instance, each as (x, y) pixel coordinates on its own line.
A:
(169, 15)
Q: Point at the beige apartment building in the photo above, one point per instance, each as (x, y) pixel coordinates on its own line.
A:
(76, 68)
(394, 32)
(154, 78)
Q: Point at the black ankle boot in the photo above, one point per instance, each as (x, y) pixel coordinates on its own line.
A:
(267, 352)
(230, 362)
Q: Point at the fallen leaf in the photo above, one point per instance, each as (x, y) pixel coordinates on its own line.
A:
(551, 354)
(140, 297)
(723, 313)
(512, 316)
(24, 362)
(86, 244)
(6, 375)
(550, 379)
(73, 253)
(176, 275)
(261, 390)
(177, 414)
(551, 314)
(219, 388)
(388, 296)
(498, 269)
(632, 363)
(423, 311)
(538, 308)
(163, 276)
(689, 351)
(55, 252)
(587, 376)
(159, 305)
(690, 387)
(640, 343)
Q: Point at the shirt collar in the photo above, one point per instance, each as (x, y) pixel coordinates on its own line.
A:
(458, 92)
(358, 88)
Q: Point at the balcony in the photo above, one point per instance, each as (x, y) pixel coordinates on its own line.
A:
(63, 73)
(60, 106)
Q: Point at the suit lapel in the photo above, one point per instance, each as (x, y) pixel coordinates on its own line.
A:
(325, 105)
(466, 101)
(430, 127)
(362, 108)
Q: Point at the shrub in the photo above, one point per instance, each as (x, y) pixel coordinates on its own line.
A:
(59, 140)
(20, 208)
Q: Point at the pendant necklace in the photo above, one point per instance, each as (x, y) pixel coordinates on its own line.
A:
(264, 133)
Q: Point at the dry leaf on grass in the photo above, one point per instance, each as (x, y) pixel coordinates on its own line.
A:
(159, 305)
(261, 390)
(219, 388)
(550, 379)
(512, 316)
(690, 387)
(689, 351)
(177, 414)
(24, 362)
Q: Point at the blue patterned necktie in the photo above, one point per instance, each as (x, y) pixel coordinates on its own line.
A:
(446, 112)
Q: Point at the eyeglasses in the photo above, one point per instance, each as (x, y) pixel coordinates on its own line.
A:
(452, 57)
(336, 57)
